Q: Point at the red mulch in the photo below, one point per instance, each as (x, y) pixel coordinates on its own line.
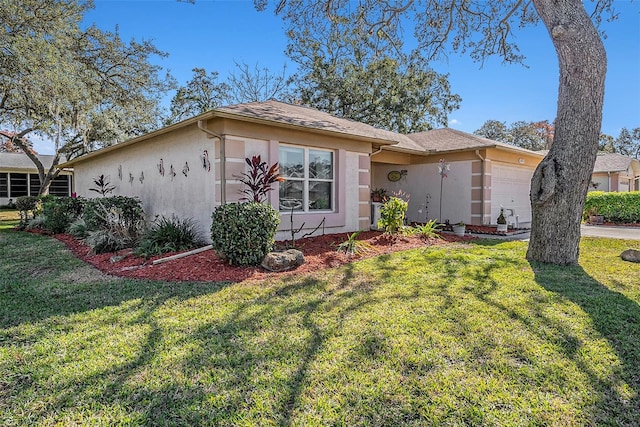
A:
(319, 252)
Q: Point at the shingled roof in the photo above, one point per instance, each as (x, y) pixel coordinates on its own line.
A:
(308, 118)
(20, 161)
(612, 162)
(447, 139)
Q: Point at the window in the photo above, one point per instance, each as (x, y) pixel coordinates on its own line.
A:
(34, 184)
(309, 179)
(60, 186)
(4, 189)
(18, 184)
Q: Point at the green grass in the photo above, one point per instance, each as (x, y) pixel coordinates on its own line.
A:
(9, 219)
(453, 335)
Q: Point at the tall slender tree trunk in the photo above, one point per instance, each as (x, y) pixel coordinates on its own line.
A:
(560, 183)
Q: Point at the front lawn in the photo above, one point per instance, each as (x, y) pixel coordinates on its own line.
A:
(463, 334)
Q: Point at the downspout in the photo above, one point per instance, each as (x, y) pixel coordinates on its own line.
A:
(375, 152)
(482, 162)
(609, 181)
(223, 168)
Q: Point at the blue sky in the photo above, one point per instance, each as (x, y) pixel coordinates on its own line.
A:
(212, 34)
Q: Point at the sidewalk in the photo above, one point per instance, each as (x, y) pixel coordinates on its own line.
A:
(612, 232)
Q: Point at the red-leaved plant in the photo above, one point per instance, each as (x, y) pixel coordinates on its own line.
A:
(259, 179)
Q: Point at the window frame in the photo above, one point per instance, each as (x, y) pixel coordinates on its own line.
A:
(4, 184)
(306, 180)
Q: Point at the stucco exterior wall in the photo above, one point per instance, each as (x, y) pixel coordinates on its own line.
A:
(422, 183)
(191, 184)
(167, 173)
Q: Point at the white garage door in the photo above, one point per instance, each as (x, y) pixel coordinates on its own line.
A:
(510, 187)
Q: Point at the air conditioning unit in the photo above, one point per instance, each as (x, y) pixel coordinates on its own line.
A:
(375, 214)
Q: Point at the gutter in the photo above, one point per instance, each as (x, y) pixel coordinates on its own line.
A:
(223, 168)
(482, 167)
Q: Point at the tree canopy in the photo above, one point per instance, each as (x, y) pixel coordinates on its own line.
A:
(530, 135)
(82, 88)
(346, 70)
(627, 143)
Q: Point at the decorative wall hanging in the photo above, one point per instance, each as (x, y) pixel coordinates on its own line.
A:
(185, 169)
(120, 172)
(206, 164)
(394, 176)
(131, 178)
(161, 167)
(172, 173)
(141, 177)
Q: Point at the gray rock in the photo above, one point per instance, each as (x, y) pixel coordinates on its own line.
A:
(283, 260)
(631, 255)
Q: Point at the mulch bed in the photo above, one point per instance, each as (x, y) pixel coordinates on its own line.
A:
(319, 252)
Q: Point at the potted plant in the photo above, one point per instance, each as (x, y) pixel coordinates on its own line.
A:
(594, 218)
(459, 228)
(378, 195)
(502, 221)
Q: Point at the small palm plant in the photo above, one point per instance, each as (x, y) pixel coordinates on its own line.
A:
(426, 231)
(353, 246)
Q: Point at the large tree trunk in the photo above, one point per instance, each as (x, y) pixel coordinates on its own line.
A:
(560, 183)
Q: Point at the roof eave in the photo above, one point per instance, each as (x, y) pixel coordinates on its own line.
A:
(228, 115)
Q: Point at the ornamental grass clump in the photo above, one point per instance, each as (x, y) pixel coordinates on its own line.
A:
(243, 233)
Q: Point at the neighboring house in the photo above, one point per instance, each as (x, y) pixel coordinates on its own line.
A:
(19, 177)
(615, 172)
(190, 167)
(483, 176)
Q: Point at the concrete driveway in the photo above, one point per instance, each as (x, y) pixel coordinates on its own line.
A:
(628, 233)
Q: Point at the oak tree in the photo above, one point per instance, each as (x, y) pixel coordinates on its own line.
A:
(82, 88)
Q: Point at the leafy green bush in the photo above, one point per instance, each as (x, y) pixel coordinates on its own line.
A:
(78, 229)
(59, 212)
(101, 213)
(26, 204)
(392, 214)
(169, 235)
(615, 207)
(243, 233)
(113, 223)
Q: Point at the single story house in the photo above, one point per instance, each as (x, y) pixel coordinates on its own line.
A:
(615, 172)
(190, 167)
(19, 177)
(330, 165)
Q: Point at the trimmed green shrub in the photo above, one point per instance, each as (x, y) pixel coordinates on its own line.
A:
(243, 233)
(392, 214)
(615, 207)
(60, 212)
(169, 235)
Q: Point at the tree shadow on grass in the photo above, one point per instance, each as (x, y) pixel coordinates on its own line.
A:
(45, 281)
(617, 319)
